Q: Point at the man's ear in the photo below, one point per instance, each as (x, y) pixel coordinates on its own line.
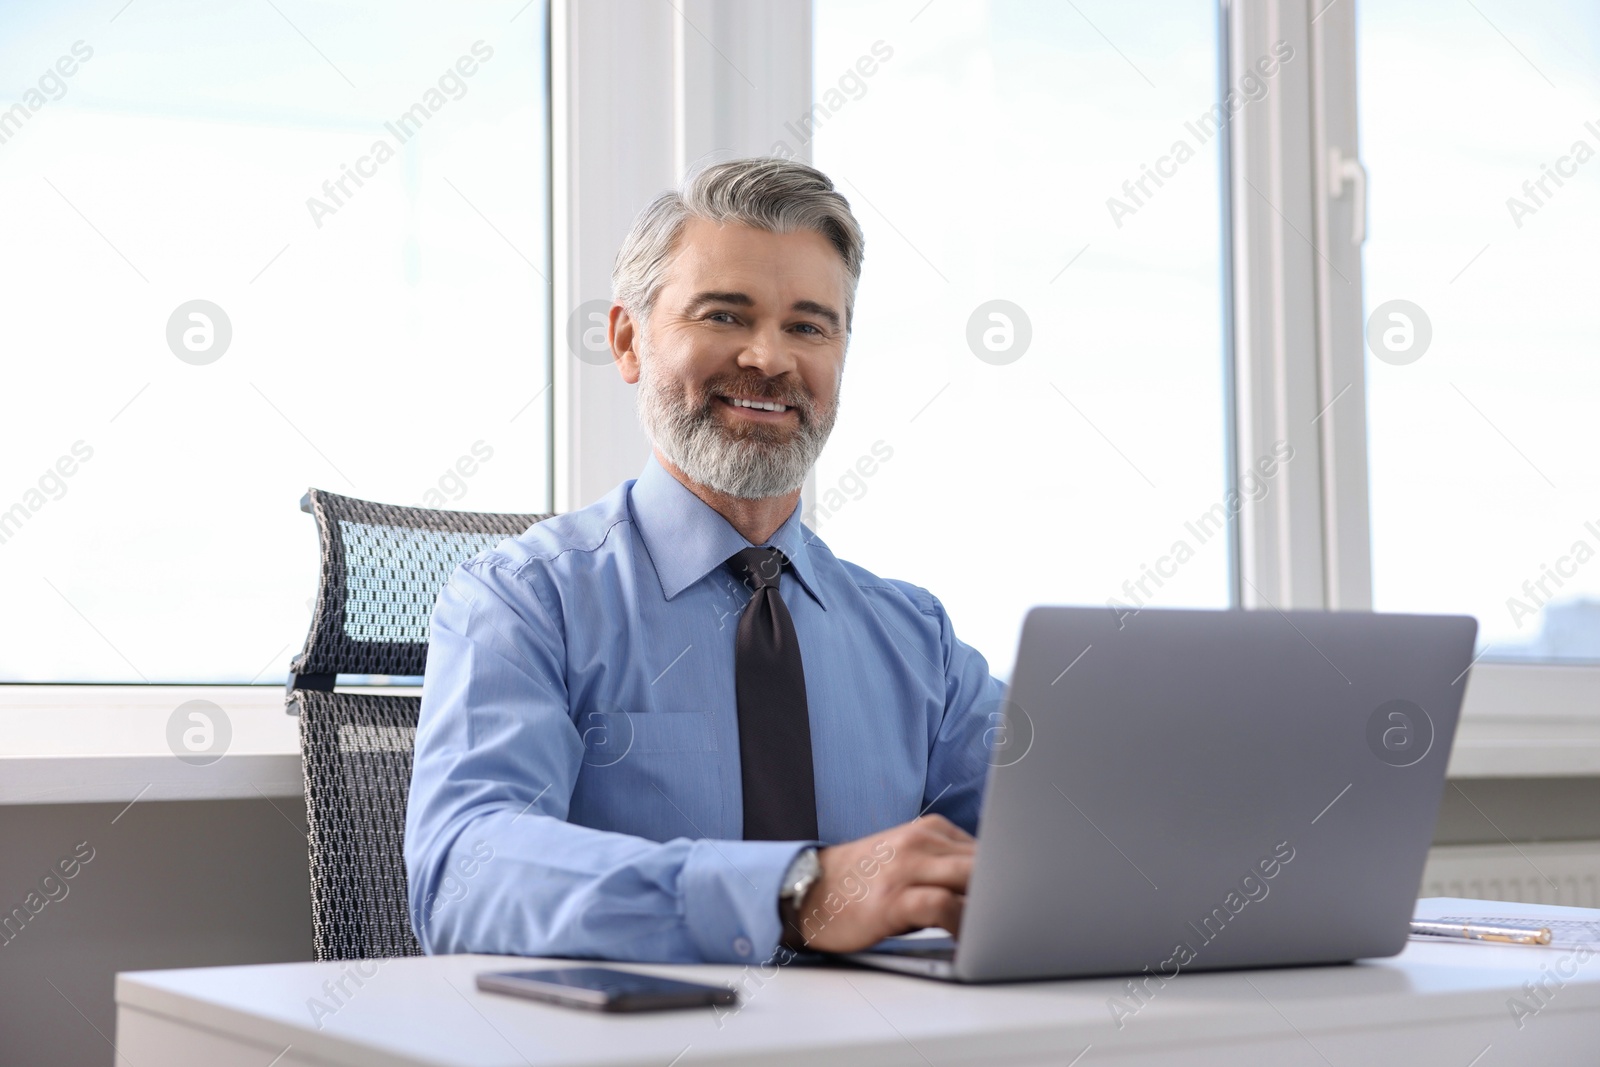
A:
(624, 336)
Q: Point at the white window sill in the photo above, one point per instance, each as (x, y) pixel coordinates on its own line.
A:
(1529, 721)
(104, 744)
(65, 744)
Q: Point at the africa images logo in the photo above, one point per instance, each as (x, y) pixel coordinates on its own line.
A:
(199, 732)
(404, 128)
(1252, 888)
(1399, 733)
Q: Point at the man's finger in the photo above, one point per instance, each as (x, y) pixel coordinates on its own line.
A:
(955, 909)
(935, 845)
(941, 826)
(921, 906)
(950, 871)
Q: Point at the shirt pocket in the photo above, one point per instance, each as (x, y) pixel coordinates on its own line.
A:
(609, 737)
(654, 774)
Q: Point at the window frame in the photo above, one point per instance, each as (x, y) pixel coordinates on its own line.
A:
(87, 698)
(1311, 547)
(1294, 332)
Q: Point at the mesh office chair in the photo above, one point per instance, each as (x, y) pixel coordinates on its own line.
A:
(382, 569)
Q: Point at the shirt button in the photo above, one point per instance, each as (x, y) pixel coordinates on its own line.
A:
(742, 946)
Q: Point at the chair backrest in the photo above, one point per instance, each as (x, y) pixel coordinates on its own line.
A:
(382, 569)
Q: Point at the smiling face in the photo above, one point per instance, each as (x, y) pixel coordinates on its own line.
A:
(739, 367)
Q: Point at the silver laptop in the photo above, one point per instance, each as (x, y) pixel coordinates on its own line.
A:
(1193, 790)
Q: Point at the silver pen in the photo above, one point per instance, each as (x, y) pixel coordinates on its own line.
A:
(1512, 935)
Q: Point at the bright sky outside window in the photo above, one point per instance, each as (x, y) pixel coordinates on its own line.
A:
(1033, 403)
(1482, 139)
(250, 250)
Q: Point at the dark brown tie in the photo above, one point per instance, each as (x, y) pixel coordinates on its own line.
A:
(780, 796)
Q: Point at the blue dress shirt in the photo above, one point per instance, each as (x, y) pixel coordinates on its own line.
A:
(576, 787)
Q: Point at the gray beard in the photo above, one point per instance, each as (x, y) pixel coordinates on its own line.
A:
(765, 461)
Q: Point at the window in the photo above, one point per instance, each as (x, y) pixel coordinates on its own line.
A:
(1033, 407)
(1480, 128)
(251, 248)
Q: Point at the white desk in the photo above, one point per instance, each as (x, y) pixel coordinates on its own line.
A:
(1437, 1003)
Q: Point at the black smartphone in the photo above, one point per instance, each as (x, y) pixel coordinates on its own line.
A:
(603, 989)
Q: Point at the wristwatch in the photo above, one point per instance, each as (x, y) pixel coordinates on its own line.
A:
(802, 874)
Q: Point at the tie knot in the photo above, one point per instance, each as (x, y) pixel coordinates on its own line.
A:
(758, 567)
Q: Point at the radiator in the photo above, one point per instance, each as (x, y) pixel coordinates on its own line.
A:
(1565, 872)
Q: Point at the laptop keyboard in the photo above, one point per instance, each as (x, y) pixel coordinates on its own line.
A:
(920, 948)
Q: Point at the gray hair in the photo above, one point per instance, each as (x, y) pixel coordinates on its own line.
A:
(776, 195)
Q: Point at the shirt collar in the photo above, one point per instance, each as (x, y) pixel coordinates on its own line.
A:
(688, 540)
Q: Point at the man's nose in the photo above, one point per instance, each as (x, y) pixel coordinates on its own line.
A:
(768, 352)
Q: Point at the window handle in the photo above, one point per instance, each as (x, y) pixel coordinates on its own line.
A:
(1341, 169)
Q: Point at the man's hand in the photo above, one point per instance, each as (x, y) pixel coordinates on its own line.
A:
(907, 877)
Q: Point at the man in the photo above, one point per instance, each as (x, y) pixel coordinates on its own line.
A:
(673, 726)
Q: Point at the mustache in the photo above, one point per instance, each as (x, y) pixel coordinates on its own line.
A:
(782, 390)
